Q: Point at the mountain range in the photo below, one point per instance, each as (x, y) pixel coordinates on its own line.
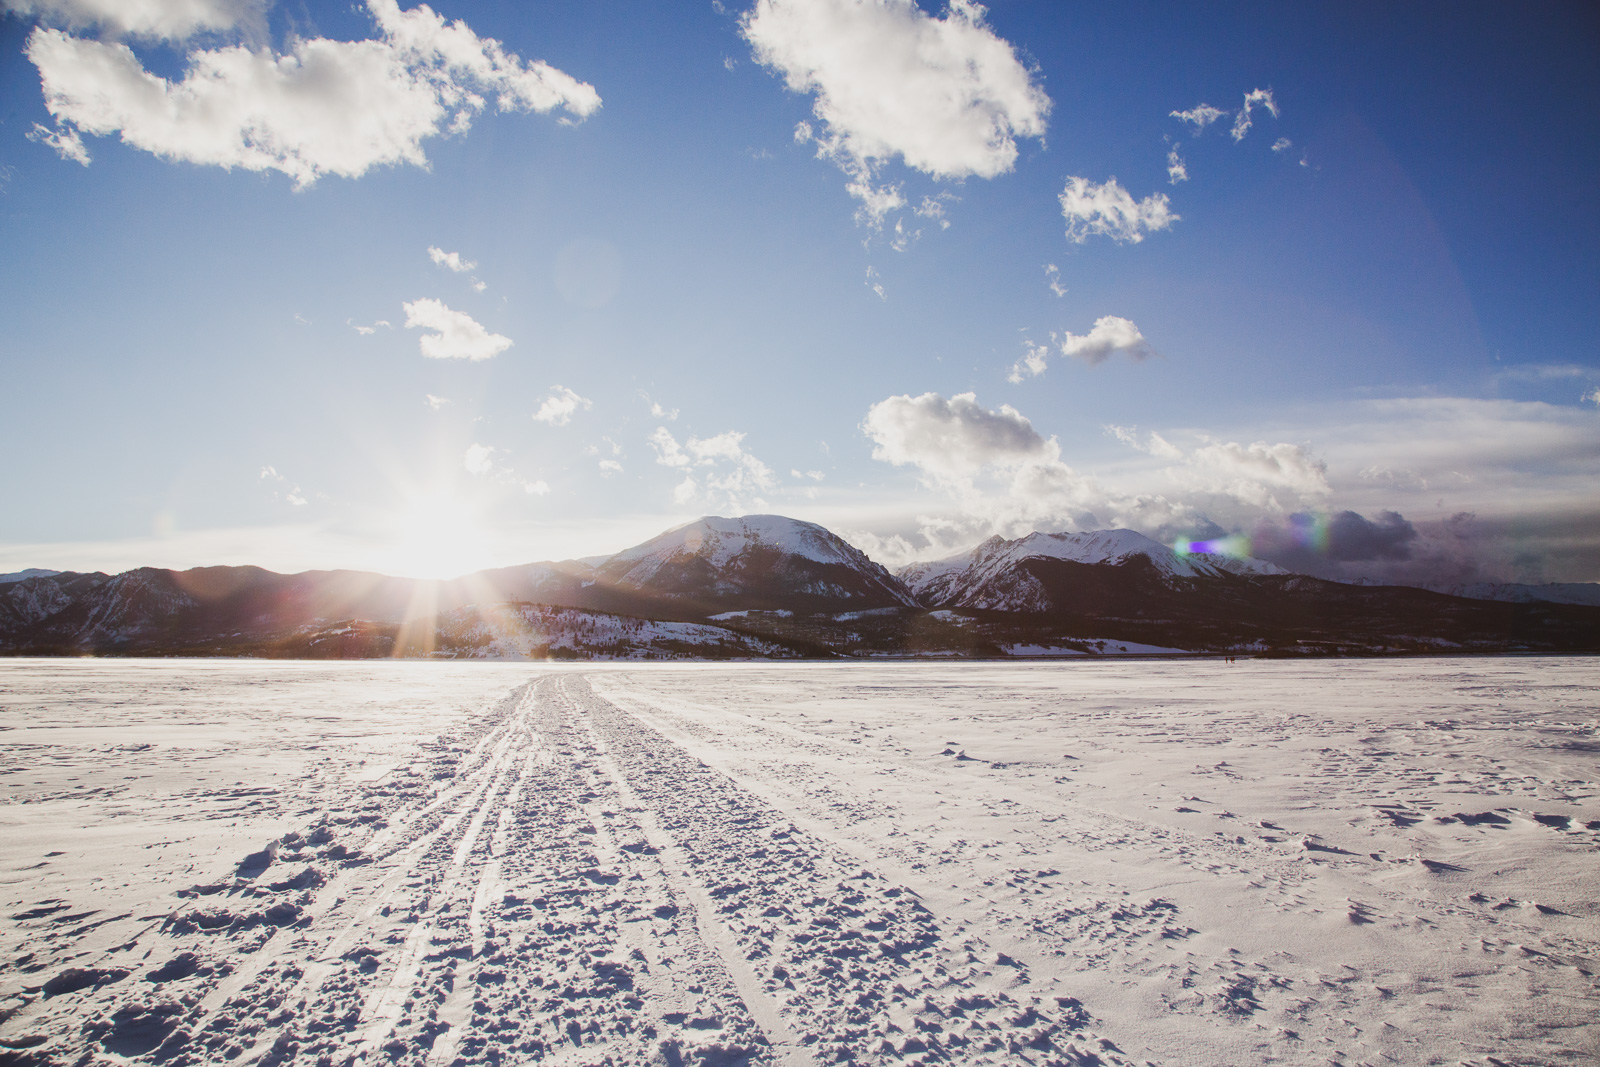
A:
(770, 586)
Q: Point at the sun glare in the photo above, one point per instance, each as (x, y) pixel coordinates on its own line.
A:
(439, 534)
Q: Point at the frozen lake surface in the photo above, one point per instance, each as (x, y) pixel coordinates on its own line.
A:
(1178, 863)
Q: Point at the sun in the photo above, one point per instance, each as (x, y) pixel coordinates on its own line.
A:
(441, 534)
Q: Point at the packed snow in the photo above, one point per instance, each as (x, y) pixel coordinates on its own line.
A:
(1081, 862)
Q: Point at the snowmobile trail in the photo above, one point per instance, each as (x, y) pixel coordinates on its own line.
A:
(552, 882)
(797, 867)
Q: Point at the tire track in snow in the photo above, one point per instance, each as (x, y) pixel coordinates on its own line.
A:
(861, 971)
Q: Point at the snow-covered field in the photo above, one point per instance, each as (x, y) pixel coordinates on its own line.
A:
(1171, 862)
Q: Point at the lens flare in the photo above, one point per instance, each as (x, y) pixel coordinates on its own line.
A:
(1304, 530)
(1236, 546)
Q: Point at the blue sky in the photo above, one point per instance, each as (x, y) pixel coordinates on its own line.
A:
(1380, 297)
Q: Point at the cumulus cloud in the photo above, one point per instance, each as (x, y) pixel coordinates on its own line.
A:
(1254, 98)
(1200, 116)
(1496, 490)
(174, 20)
(945, 95)
(455, 334)
(368, 331)
(451, 261)
(435, 402)
(1111, 335)
(715, 468)
(1273, 476)
(559, 407)
(951, 440)
(325, 107)
(1593, 396)
(1282, 144)
(1032, 364)
(1110, 210)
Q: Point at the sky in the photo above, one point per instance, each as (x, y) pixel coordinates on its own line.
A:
(424, 289)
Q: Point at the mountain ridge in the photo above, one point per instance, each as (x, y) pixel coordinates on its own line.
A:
(768, 585)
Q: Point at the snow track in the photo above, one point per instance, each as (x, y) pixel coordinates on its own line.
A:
(765, 865)
(555, 882)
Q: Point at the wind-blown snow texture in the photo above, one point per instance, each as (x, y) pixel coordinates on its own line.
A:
(1176, 863)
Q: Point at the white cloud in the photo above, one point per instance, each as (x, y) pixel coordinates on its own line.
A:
(996, 472)
(608, 467)
(932, 207)
(559, 407)
(1111, 335)
(1282, 144)
(1252, 99)
(173, 20)
(732, 475)
(479, 460)
(435, 402)
(951, 440)
(944, 95)
(1154, 444)
(368, 331)
(1542, 372)
(290, 495)
(1272, 476)
(1111, 210)
(325, 107)
(450, 260)
(657, 409)
(1200, 116)
(1053, 278)
(668, 452)
(66, 142)
(456, 335)
(1032, 363)
(1177, 169)
(1593, 396)
(875, 283)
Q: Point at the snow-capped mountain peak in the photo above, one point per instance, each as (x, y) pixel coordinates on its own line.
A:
(947, 580)
(753, 556)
